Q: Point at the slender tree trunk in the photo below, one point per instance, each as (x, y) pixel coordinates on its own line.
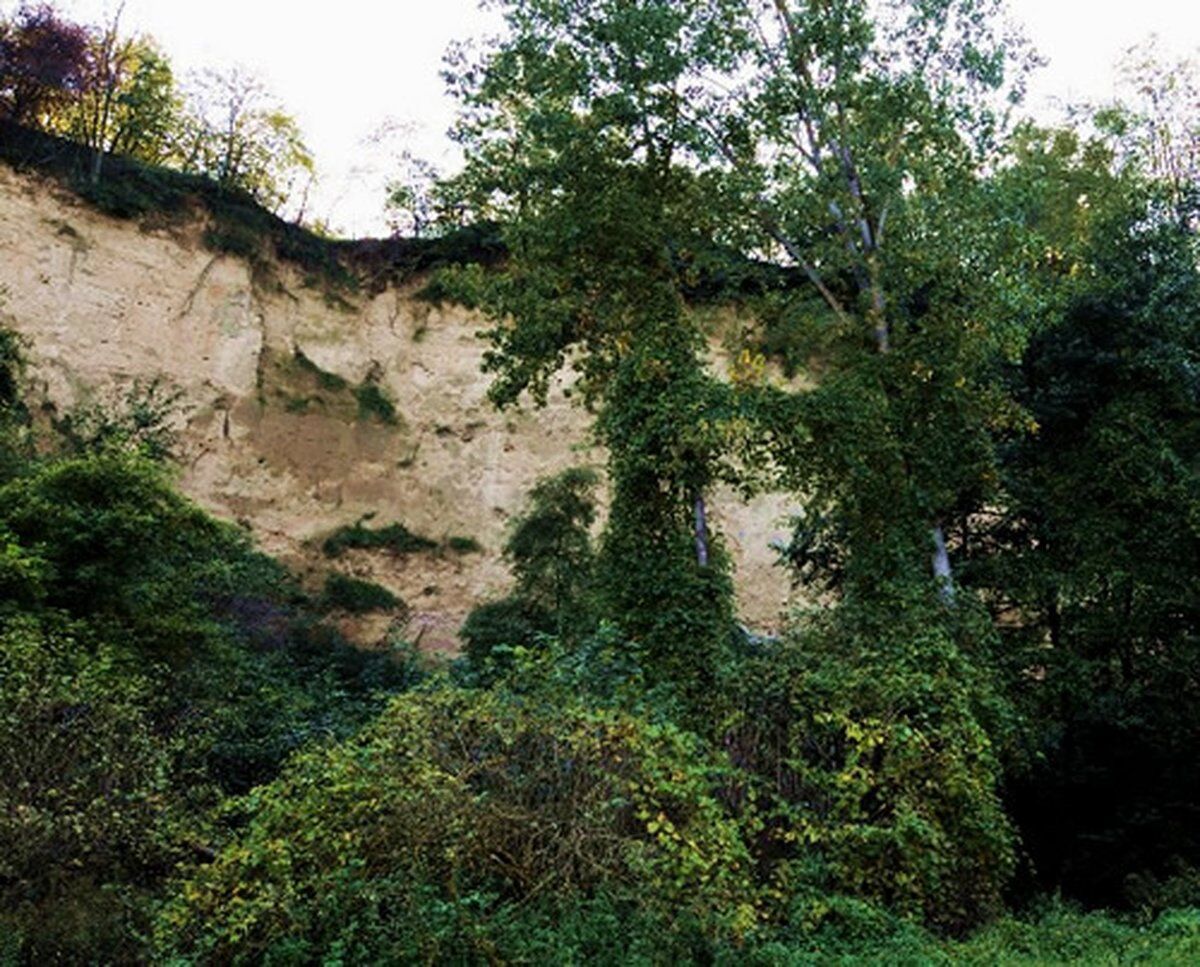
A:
(942, 571)
(701, 518)
(941, 566)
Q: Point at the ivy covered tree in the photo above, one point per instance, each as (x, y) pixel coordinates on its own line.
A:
(593, 207)
(624, 143)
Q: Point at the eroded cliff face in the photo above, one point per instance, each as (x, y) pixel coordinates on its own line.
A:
(273, 433)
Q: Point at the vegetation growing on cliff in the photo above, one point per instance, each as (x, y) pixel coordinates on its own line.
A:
(985, 714)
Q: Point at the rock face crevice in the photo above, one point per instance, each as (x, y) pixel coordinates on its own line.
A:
(299, 414)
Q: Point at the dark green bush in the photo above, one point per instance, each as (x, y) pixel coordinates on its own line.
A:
(373, 404)
(394, 537)
(237, 240)
(877, 779)
(493, 628)
(88, 811)
(357, 596)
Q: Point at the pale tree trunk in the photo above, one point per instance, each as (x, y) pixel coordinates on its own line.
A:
(701, 519)
(941, 566)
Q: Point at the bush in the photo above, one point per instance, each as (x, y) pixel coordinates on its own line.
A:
(373, 404)
(395, 538)
(464, 545)
(127, 551)
(357, 596)
(876, 778)
(458, 828)
(493, 629)
(87, 810)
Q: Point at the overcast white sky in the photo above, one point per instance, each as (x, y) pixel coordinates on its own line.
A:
(343, 68)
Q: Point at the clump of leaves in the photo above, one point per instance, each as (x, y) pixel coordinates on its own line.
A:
(552, 558)
(139, 421)
(870, 748)
(357, 596)
(394, 538)
(373, 404)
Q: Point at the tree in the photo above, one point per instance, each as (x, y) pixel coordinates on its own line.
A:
(851, 137)
(236, 133)
(631, 147)
(128, 104)
(44, 62)
(846, 142)
(1088, 557)
(1152, 125)
(593, 212)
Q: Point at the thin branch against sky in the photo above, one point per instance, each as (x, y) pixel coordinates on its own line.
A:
(342, 69)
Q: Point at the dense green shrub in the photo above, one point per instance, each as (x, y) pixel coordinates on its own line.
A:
(875, 775)
(394, 537)
(140, 420)
(357, 596)
(463, 545)
(549, 549)
(151, 662)
(457, 825)
(127, 551)
(373, 404)
(88, 811)
(494, 628)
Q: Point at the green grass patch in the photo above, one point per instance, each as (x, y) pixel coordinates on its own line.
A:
(373, 404)
(330, 382)
(395, 538)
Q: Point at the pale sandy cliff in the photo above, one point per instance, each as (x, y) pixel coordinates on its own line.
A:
(270, 441)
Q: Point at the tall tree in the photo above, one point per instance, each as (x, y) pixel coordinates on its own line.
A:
(235, 132)
(128, 103)
(44, 61)
(567, 156)
(844, 139)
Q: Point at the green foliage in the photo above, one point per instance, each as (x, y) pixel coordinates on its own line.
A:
(125, 550)
(550, 544)
(351, 594)
(239, 240)
(373, 403)
(457, 827)
(394, 537)
(463, 545)
(865, 749)
(549, 549)
(139, 421)
(493, 629)
(86, 798)
(150, 664)
(1092, 555)
(14, 415)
